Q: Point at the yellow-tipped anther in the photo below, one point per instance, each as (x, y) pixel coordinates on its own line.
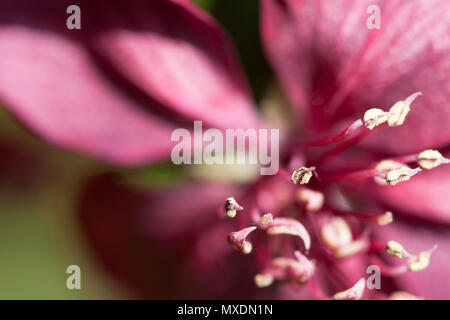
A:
(374, 117)
(231, 207)
(402, 174)
(231, 213)
(421, 261)
(336, 233)
(385, 219)
(395, 172)
(395, 249)
(430, 159)
(302, 175)
(263, 280)
(266, 219)
(399, 111)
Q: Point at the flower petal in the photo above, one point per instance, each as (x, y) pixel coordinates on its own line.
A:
(58, 83)
(51, 83)
(332, 65)
(181, 57)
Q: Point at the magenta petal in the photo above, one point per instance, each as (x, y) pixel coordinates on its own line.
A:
(181, 57)
(58, 82)
(165, 244)
(331, 64)
(52, 85)
(425, 195)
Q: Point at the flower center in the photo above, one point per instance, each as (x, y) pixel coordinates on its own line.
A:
(304, 228)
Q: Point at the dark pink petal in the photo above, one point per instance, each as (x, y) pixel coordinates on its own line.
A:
(180, 56)
(165, 244)
(66, 92)
(51, 85)
(433, 282)
(424, 195)
(334, 67)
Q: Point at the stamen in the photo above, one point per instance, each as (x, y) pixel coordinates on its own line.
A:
(381, 218)
(385, 218)
(396, 116)
(263, 280)
(354, 293)
(231, 206)
(395, 249)
(402, 174)
(402, 295)
(415, 262)
(337, 236)
(374, 117)
(354, 247)
(312, 200)
(336, 233)
(400, 110)
(291, 227)
(302, 175)
(286, 269)
(421, 261)
(238, 240)
(266, 219)
(395, 172)
(430, 159)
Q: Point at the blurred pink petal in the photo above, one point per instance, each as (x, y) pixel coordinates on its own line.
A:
(165, 243)
(331, 64)
(181, 57)
(54, 82)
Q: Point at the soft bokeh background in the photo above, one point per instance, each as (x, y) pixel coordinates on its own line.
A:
(39, 232)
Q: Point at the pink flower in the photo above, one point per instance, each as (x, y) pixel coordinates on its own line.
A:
(137, 70)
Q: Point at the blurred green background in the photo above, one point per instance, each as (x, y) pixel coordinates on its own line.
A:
(39, 232)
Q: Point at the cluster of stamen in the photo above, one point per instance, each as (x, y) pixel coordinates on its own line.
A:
(394, 117)
(334, 231)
